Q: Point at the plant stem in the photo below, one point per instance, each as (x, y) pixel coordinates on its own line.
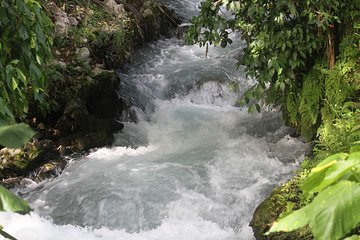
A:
(6, 235)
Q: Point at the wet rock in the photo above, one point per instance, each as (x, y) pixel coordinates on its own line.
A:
(269, 211)
(49, 170)
(103, 101)
(71, 119)
(154, 20)
(27, 182)
(19, 162)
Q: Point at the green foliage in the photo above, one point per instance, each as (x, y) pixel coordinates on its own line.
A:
(342, 82)
(24, 47)
(354, 237)
(285, 52)
(334, 185)
(111, 47)
(12, 203)
(310, 103)
(340, 134)
(14, 136)
(280, 35)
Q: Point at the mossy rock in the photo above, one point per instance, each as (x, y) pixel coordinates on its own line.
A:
(275, 205)
(20, 162)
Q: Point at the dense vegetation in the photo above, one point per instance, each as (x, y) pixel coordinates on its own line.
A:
(25, 42)
(291, 49)
(304, 56)
(24, 49)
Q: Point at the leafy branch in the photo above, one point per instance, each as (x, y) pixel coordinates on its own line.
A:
(333, 212)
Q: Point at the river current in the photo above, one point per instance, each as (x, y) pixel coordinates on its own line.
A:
(194, 167)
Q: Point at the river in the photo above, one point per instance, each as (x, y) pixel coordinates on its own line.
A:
(195, 167)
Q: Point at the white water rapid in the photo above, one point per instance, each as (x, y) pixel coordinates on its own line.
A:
(201, 168)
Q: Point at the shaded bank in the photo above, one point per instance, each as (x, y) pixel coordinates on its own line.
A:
(83, 108)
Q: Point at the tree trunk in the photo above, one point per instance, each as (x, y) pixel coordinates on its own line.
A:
(331, 49)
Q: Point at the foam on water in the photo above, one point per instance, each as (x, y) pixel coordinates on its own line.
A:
(196, 179)
(34, 227)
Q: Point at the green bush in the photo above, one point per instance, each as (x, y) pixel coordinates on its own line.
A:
(25, 42)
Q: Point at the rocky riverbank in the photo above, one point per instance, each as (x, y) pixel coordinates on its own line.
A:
(92, 39)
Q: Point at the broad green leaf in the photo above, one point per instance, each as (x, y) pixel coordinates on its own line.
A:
(315, 177)
(355, 148)
(353, 237)
(295, 220)
(354, 156)
(38, 59)
(11, 203)
(14, 136)
(331, 215)
(14, 83)
(338, 156)
(35, 72)
(335, 211)
(4, 109)
(23, 33)
(283, 46)
(21, 76)
(318, 173)
(330, 176)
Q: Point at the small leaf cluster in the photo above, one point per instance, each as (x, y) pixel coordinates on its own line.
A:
(334, 185)
(25, 42)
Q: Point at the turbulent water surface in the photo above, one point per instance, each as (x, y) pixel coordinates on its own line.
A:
(200, 167)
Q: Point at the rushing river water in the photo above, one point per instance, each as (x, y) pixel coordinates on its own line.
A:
(201, 167)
